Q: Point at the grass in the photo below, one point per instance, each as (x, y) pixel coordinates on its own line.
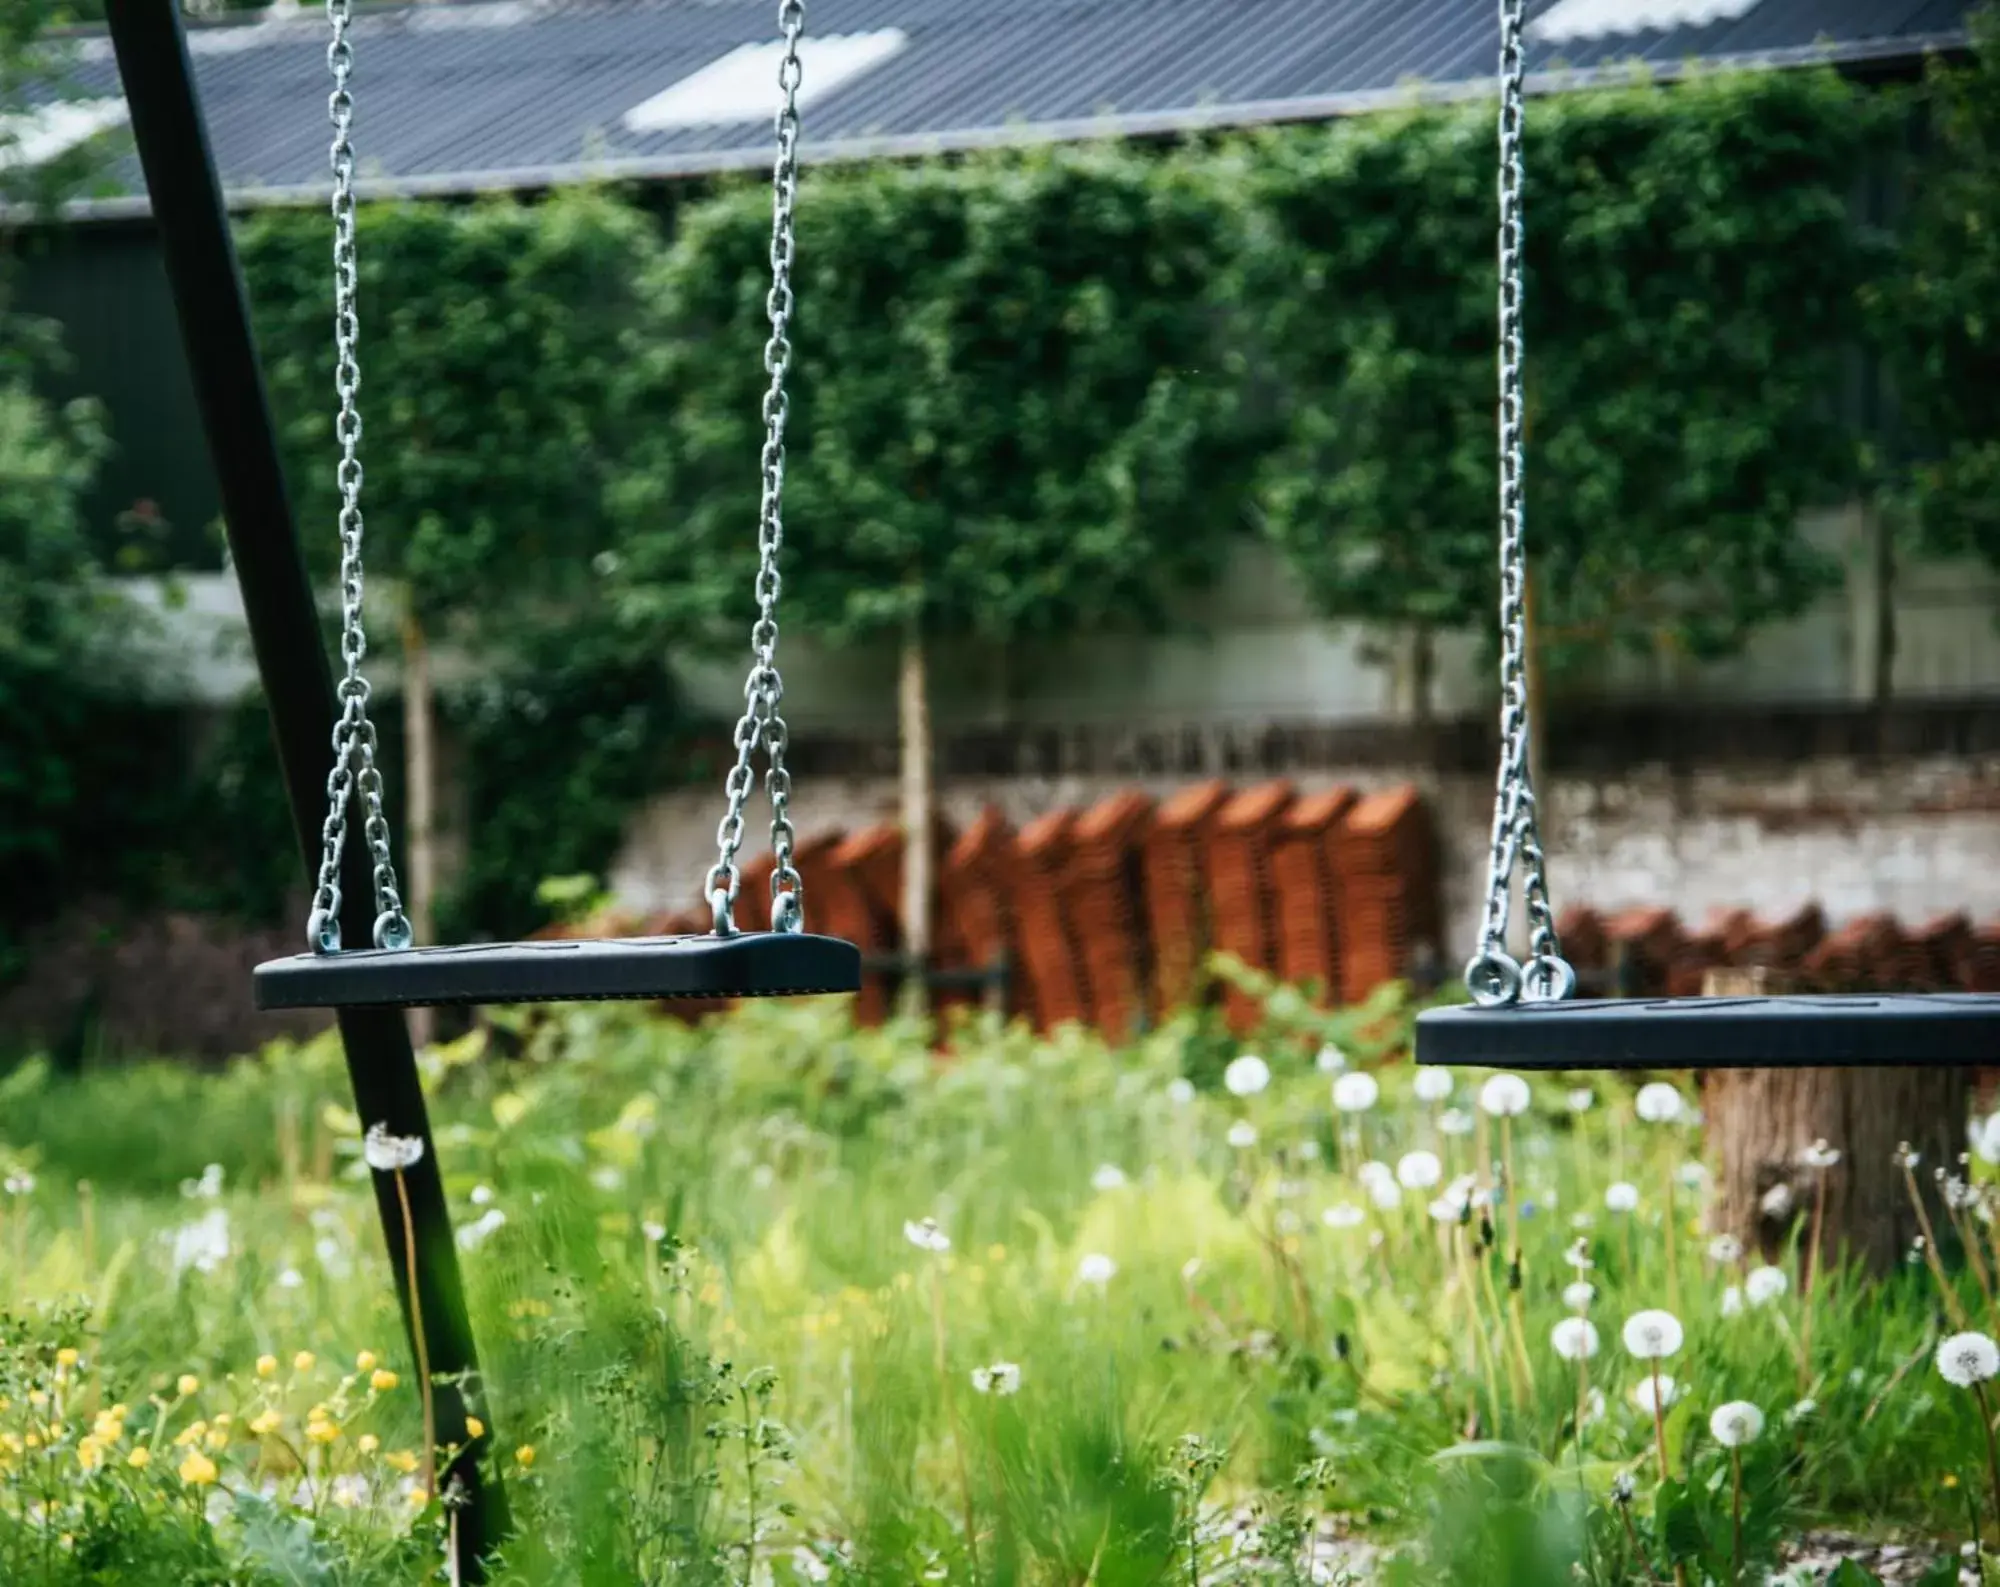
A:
(719, 1345)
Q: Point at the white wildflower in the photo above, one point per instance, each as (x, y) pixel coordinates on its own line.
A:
(1643, 1394)
(1455, 1121)
(1819, 1155)
(1776, 1202)
(1242, 1135)
(1002, 1377)
(1096, 1268)
(1653, 1335)
(1246, 1076)
(1505, 1096)
(1984, 1135)
(1578, 1296)
(1658, 1103)
(1580, 1100)
(482, 1229)
(1342, 1215)
(1578, 1256)
(1574, 1339)
(1693, 1176)
(1732, 1301)
(1331, 1060)
(388, 1153)
(1180, 1090)
(1762, 1285)
(1356, 1092)
(203, 1244)
(1725, 1249)
(1968, 1358)
(1432, 1085)
(1736, 1424)
(19, 1183)
(1385, 1192)
(1109, 1176)
(1418, 1170)
(607, 1178)
(481, 1195)
(925, 1235)
(1621, 1197)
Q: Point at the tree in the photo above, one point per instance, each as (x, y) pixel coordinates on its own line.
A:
(1692, 269)
(1011, 416)
(491, 337)
(1938, 315)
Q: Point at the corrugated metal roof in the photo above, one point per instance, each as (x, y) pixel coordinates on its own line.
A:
(519, 93)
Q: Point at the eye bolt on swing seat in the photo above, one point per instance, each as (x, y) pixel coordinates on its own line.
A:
(785, 961)
(1522, 1015)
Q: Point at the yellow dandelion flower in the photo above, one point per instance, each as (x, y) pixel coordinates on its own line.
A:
(32, 1441)
(89, 1454)
(218, 1438)
(265, 1423)
(304, 1361)
(67, 1357)
(1951, 1479)
(322, 1431)
(267, 1366)
(525, 1455)
(140, 1458)
(189, 1384)
(383, 1380)
(402, 1460)
(108, 1428)
(367, 1443)
(419, 1497)
(474, 1427)
(192, 1434)
(198, 1471)
(365, 1362)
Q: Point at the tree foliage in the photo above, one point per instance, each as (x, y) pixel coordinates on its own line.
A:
(1941, 309)
(1692, 271)
(1012, 413)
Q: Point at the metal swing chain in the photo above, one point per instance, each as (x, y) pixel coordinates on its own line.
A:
(1494, 978)
(353, 733)
(763, 689)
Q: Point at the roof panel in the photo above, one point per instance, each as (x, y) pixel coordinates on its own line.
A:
(458, 96)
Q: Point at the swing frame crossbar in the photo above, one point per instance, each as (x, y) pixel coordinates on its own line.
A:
(192, 224)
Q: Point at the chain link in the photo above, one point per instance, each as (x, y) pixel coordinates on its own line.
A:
(763, 689)
(1493, 977)
(354, 744)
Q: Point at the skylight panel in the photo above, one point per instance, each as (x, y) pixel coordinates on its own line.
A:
(1569, 20)
(743, 85)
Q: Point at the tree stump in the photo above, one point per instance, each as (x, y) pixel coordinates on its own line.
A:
(1759, 1120)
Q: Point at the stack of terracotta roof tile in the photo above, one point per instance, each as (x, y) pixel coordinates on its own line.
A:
(974, 890)
(1056, 989)
(1101, 895)
(1981, 964)
(1242, 902)
(1306, 879)
(1388, 889)
(881, 877)
(1644, 945)
(1176, 882)
(862, 868)
(1584, 942)
(1867, 954)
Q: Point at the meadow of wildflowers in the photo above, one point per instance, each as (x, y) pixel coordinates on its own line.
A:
(780, 1300)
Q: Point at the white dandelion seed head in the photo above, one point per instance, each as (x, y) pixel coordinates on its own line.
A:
(1762, 1285)
(1109, 1176)
(1725, 1249)
(1180, 1091)
(1984, 1138)
(1343, 1215)
(1444, 1210)
(1906, 1155)
(481, 1195)
(1096, 1268)
(202, 1245)
(291, 1278)
(1578, 1296)
(1621, 1197)
(481, 1229)
(1331, 1060)
(607, 1178)
(1385, 1192)
(1242, 1135)
(1309, 1149)
(1432, 1085)
(1643, 1393)
(653, 1230)
(19, 1183)
(1578, 1256)
(925, 1235)
(1736, 1424)
(1778, 1201)
(1356, 1092)
(387, 1153)
(1505, 1096)
(1693, 1176)
(1819, 1156)
(1968, 1358)
(1732, 1301)
(1418, 1170)
(1653, 1335)
(1659, 1103)
(1574, 1339)
(1580, 1100)
(1593, 1406)
(1455, 1121)
(1800, 1411)
(1002, 1377)
(1246, 1076)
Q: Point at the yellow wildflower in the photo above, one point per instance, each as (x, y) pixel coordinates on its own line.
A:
(192, 1434)
(218, 1438)
(267, 1366)
(198, 1471)
(188, 1384)
(321, 1430)
(67, 1357)
(303, 1361)
(140, 1458)
(368, 1443)
(89, 1454)
(402, 1460)
(383, 1380)
(365, 1362)
(525, 1455)
(265, 1423)
(419, 1497)
(474, 1427)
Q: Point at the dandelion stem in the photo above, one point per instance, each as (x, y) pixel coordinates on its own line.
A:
(417, 1334)
(1672, 1232)
(1809, 1280)
(1659, 1420)
(1736, 1513)
(951, 1413)
(1638, 1549)
(1970, 1244)
(1951, 1301)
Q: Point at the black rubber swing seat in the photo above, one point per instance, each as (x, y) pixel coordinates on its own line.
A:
(1931, 1029)
(749, 964)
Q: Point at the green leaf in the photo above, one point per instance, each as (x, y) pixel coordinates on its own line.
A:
(1850, 1574)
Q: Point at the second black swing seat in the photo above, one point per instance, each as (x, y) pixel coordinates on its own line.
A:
(747, 964)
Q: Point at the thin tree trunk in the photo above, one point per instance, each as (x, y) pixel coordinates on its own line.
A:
(420, 785)
(914, 723)
(1538, 727)
(1423, 672)
(1882, 682)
